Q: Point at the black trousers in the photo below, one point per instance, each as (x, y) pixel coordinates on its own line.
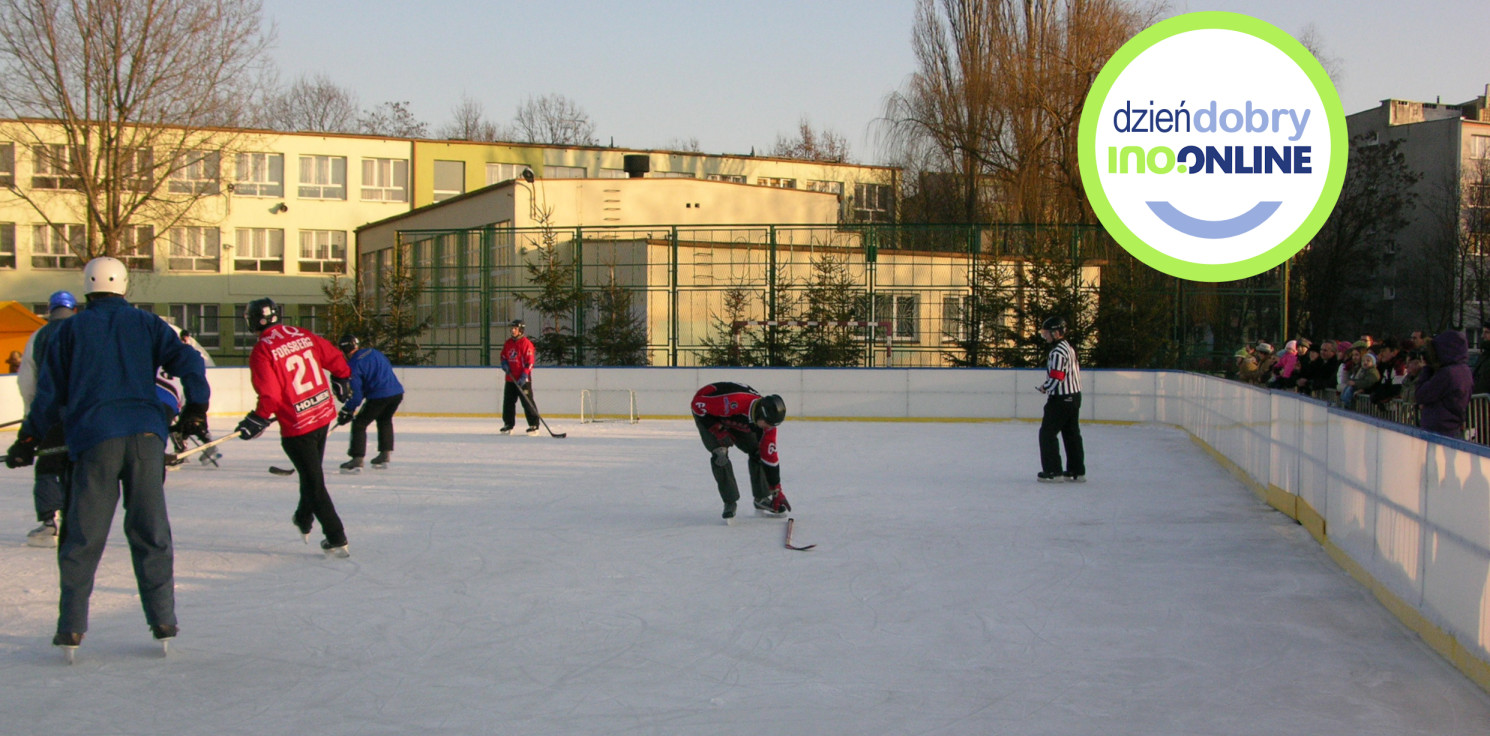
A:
(1062, 417)
(509, 405)
(374, 410)
(724, 470)
(306, 452)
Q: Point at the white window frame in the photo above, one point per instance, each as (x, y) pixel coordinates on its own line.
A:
(731, 178)
(260, 249)
(443, 194)
(323, 251)
(138, 250)
(889, 307)
(7, 246)
(873, 202)
(7, 164)
(777, 182)
(322, 177)
(194, 249)
(254, 175)
(504, 172)
(565, 172)
(201, 320)
(52, 166)
(56, 246)
(199, 173)
(385, 179)
(821, 185)
(1479, 147)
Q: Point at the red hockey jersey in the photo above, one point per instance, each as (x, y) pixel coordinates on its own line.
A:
(289, 367)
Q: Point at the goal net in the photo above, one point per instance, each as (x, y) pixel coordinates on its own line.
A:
(607, 405)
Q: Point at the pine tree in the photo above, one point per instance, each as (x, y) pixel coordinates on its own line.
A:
(1047, 284)
(619, 336)
(980, 318)
(831, 295)
(395, 330)
(556, 300)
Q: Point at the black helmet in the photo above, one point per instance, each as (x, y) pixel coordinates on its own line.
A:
(770, 408)
(1054, 324)
(348, 343)
(261, 314)
(519, 324)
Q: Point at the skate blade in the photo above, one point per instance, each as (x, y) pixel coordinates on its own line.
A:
(165, 647)
(376, 466)
(350, 471)
(41, 542)
(70, 655)
(730, 521)
(340, 553)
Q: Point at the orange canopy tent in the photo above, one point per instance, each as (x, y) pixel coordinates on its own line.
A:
(16, 325)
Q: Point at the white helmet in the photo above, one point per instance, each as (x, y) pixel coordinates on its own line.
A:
(105, 274)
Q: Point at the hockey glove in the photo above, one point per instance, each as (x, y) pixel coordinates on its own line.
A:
(252, 426)
(779, 504)
(344, 416)
(193, 421)
(341, 388)
(22, 452)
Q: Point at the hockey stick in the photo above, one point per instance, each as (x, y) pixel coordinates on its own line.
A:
(527, 402)
(173, 457)
(789, 524)
(12, 424)
(275, 469)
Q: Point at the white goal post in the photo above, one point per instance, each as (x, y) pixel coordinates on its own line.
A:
(608, 405)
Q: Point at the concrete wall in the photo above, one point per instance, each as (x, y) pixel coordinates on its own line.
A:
(1405, 512)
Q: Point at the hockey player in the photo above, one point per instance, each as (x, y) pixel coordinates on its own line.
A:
(517, 365)
(51, 470)
(288, 367)
(733, 414)
(372, 379)
(98, 378)
(1062, 387)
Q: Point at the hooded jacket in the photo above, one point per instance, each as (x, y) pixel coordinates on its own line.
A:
(1444, 397)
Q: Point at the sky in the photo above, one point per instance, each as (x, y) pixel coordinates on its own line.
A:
(736, 75)
(540, 586)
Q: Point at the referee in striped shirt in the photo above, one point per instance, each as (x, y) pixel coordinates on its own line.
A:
(1062, 408)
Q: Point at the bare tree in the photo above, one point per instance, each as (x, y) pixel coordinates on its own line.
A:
(392, 120)
(1373, 208)
(468, 123)
(1313, 41)
(127, 103)
(314, 104)
(687, 145)
(554, 119)
(812, 145)
(990, 114)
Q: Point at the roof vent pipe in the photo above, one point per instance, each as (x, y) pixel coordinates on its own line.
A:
(637, 165)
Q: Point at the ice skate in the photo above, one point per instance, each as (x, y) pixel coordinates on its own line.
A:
(164, 633)
(339, 551)
(69, 642)
(505, 430)
(352, 466)
(1050, 477)
(729, 514)
(44, 535)
(772, 505)
(1074, 478)
(380, 462)
(303, 525)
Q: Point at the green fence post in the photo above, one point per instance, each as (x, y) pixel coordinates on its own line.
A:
(673, 330)
(488, 244)
(579, 287)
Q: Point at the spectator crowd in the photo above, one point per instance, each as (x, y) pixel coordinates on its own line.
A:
(1431, 373)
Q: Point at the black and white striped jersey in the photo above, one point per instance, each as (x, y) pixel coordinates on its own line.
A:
(1062, 373)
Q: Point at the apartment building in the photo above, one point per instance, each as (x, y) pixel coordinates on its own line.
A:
(279, 210)
(1448, 146)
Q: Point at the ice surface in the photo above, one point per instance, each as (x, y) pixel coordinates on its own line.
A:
(530, 585)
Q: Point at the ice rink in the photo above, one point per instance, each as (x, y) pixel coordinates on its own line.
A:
(531, 585)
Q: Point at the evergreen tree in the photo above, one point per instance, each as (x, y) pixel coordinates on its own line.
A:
(1047, 284)
(619, 336)
(832, 295)
(980, 318)
(395, 329)
(556, 300)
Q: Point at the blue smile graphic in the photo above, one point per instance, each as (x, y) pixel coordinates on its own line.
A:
(1214, 229)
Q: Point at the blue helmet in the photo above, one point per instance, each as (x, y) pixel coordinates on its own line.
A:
(62, 300)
